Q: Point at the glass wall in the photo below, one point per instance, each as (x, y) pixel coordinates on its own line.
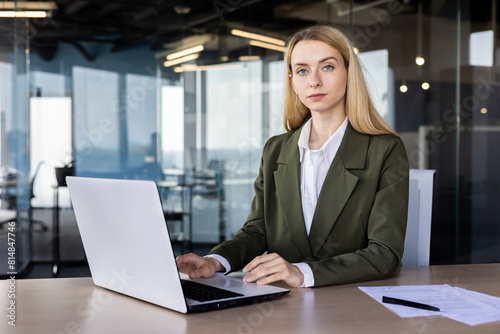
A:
(15, 237)
(432, 67)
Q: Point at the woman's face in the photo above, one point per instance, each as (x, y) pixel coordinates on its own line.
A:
(319, 77)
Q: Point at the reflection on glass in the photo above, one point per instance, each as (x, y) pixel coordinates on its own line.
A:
(50, 145)
(172, 125)
(141, 128)
(97, 116)
(379, 77)
(481, 48)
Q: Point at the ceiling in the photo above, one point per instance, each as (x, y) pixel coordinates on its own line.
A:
(168, 24)
(161, 24)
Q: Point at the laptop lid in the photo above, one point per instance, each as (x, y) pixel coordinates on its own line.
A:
(126, 241)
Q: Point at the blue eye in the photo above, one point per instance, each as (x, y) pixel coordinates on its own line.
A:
(301, 71)
(328, 67)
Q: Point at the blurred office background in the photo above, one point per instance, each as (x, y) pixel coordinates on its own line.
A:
(96, 87)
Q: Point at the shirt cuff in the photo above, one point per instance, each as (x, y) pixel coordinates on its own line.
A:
(308, 274)
(223, 262)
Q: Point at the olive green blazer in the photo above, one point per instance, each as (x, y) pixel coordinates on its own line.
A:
(359, 224)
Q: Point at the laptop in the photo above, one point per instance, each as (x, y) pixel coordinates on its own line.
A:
(128, 248)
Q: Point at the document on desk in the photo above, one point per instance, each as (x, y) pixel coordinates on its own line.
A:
(459, 304)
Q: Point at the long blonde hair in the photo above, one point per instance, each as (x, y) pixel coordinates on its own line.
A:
(362, 114)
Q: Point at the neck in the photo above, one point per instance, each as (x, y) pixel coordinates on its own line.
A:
(323, 127)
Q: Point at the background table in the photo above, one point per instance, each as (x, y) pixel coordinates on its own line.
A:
(75, 305)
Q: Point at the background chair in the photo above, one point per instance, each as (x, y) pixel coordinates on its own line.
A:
(418, 230)
(7, 216)
(8, 211)
(11, 215)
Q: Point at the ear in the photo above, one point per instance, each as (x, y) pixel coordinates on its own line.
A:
(290, 81)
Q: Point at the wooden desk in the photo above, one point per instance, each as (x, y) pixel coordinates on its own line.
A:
(75, 305)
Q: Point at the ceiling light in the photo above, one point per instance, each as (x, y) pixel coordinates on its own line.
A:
(30, 14)
(193, 67)
(185, 52)
(180, 60)
(28, 5)
(425, 85)
(30, 9)
(268, 46)
(248, 58)
(403, 88)
(484, 111)
(186, 68)
(258, 37)
(182, 10)
(420, 61)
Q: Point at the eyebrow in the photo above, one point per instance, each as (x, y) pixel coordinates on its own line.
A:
(321, 61)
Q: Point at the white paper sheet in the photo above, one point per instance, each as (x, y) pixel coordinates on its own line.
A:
(459, 304)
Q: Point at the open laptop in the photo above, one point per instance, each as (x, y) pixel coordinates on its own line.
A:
(128, 248)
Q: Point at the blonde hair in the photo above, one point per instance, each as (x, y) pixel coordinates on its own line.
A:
(362, 114)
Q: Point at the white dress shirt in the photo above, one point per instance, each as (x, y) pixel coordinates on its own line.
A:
(314, 167)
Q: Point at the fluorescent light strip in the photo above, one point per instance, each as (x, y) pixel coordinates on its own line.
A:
(258, 37)
(268, 46)
(30, 14)
(186, 68)
(193, 67)
(248, 58)
(186, 52)
(181, 60)
(28, 5)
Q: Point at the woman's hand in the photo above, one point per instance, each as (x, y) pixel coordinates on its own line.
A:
(196, 266)
(275, 268)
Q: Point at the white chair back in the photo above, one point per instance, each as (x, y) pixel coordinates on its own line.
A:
(418, 231)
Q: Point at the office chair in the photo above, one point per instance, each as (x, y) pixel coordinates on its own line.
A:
(8, 212)
(418, 230)
(7, 216)
(11, 215)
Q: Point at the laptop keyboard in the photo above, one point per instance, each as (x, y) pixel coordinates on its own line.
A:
(204, 293)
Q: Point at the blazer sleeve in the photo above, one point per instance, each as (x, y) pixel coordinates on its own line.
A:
(386, 229)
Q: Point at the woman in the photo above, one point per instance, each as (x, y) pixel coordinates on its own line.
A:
(331, 198)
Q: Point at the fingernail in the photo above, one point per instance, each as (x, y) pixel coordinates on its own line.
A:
(245, 269)
(247, 278)
(192, 275)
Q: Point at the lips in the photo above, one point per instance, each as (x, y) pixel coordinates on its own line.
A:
(316, 97)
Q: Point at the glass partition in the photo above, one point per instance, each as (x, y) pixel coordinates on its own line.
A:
(14, 149)
(477, 136)
(410, 53)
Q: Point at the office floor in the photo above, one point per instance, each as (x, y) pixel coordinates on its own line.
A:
(72, 255)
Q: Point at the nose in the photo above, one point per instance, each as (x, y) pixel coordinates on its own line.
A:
(314, 81)
(314, 84)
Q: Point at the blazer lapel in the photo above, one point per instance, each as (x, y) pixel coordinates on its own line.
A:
(338, 186)
(287, 181)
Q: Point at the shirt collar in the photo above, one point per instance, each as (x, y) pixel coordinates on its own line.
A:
(304, 138)
(329, 148)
